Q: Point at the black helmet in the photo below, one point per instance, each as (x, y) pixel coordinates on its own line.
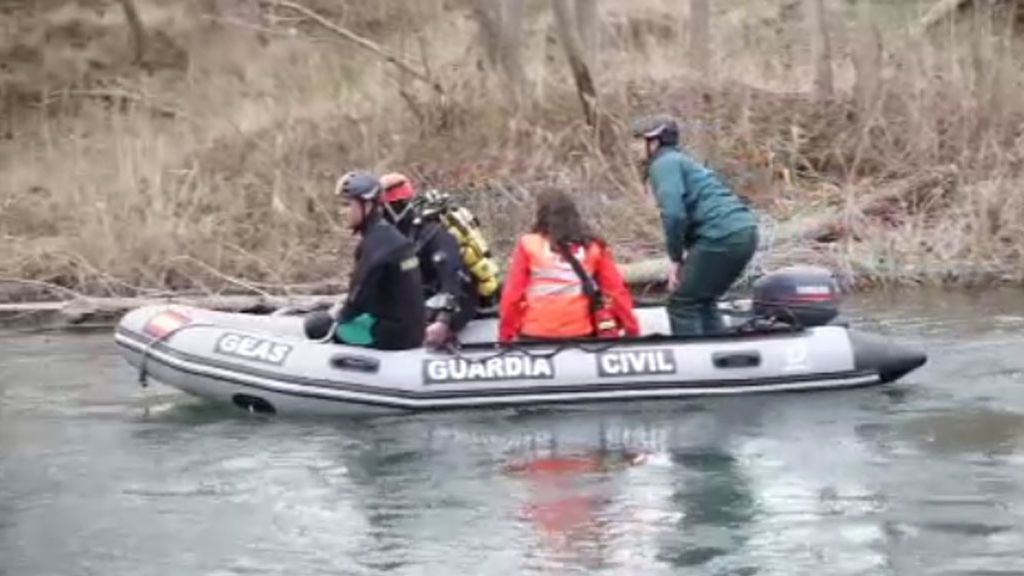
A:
(661, 127)
(358, 185)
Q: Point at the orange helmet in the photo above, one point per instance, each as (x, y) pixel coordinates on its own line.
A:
(396, 187)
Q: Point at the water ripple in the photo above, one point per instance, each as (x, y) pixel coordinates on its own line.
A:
(922, 477)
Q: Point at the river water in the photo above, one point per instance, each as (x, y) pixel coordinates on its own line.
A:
(98, 476)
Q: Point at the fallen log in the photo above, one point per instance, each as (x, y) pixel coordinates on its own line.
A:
(645, 271)
(78, 311)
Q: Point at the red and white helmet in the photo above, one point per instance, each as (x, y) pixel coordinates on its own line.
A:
(397, 193)
(396, 188)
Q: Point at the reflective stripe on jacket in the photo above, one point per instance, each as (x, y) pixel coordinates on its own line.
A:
(556, 305)
(544, 298)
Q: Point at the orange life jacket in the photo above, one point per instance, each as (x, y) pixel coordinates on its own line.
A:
(556, 305)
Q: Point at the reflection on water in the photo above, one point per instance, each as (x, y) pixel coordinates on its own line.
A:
(924, 477)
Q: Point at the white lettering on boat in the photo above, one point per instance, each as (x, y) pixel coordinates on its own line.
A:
(797, 358)
(819, 290)
(500, 368)
(636, 363)
(251, 348)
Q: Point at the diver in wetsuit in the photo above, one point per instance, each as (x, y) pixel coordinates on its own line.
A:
(384, 307)
(449, 288)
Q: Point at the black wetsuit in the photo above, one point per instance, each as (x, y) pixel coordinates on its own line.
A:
(385, 291)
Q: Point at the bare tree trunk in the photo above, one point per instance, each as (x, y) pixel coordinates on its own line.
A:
(488, 17)
(587, 22)
(511, 48)
(700, 36)
(821, 49)
(867, 57)
(131, 14)
(574, 53)
(501, 23)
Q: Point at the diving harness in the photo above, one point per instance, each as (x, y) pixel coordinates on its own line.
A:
(465, 227)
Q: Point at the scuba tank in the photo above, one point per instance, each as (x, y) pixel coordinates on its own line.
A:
(464, 226)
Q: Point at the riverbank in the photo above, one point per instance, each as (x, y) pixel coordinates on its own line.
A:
(207, 169)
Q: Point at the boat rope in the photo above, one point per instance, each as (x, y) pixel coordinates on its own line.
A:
(143, 373)
(330, 334)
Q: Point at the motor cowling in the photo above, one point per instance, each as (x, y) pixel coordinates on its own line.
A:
(804, 295)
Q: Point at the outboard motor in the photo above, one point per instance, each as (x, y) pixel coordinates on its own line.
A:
(804, 295)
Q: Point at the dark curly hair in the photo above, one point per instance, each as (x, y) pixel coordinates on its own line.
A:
(560, 220)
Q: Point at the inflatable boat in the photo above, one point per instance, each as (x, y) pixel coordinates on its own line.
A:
(265, 363)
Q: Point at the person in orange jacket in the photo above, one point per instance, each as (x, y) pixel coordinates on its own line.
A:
(544, 297)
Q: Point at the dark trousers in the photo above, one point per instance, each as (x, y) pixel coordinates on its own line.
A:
(710, 270)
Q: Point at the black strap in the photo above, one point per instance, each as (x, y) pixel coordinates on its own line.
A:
(590, 287)
(423, 239)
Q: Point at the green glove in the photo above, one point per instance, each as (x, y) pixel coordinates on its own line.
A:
(358, 331)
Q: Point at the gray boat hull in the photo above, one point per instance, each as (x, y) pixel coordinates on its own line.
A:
(265, 364)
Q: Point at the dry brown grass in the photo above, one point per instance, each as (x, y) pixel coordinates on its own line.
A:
(214, 173)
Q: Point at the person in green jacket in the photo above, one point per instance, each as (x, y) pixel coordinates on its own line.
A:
(710, 234)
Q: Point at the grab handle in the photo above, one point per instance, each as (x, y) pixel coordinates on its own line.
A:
(743, 359)
(355, 363)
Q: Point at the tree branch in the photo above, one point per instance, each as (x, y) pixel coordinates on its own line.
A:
(115, 95)
(363, 42)
(574, 52)
(138, 32)
(939, 12)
